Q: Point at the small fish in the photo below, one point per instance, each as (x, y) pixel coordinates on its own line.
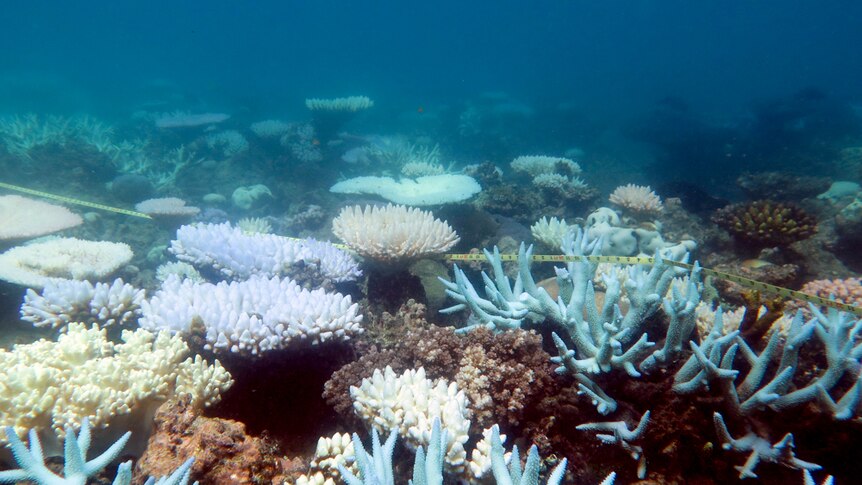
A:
(420, 109)
(315, 141)
(755, 263)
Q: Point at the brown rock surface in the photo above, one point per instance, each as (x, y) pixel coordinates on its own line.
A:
(224, 453)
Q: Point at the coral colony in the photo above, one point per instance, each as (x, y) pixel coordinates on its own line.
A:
(222, 329)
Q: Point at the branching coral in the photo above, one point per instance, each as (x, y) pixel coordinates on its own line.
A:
(618, 433)
(77, 469)
(713, 362)
(513, 474)
(604, 338)
(50, 385)
(65, 301)
(252, 316)
(761, 450)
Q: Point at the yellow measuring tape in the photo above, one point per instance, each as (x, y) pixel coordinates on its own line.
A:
(749, 283)
(541, 258)
(70, 200)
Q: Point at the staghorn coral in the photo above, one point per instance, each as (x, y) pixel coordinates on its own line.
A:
(77, 469)
(764, 223)
(599, 333)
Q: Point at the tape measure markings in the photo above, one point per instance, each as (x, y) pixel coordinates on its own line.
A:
(70, 200)
(542, 258)
(741, 280)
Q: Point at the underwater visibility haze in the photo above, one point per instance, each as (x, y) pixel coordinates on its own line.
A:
(430, 242)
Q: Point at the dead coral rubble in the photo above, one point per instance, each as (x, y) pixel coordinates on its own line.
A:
(223, 452)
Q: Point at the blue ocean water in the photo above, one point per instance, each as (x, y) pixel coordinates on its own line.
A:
(611, 58)
(589, 68)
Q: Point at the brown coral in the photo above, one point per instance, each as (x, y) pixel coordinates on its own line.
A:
(502, 374)
(764, 223)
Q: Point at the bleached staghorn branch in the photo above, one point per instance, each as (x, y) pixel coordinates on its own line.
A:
(604, 338)
(761, 450)
(713, 362)
(618, 433)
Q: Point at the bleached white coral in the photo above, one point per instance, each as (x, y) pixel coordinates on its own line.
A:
(252, 316)
(229, 143)
(254, 225)
(550, 231)
(36, 264)
(561, 185)
(238, 255)
(349, 104)
(480, 457)
(536, 165)
(409, 403)
(269, 128)
(331, 452)
(65, 301)
(393, 232)
(167, 207)
(637, 198)
(414, 169)
(48, 385)
(179, 268)
(25, 218)
(429, 190)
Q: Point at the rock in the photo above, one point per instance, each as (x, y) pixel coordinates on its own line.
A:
(251, 197)
(223, 452)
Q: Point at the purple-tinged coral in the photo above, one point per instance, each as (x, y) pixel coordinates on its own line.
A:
(252, 316)
(238, 255)
(64, 301)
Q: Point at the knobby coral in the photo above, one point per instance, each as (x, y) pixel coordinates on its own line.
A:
(764, 223)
